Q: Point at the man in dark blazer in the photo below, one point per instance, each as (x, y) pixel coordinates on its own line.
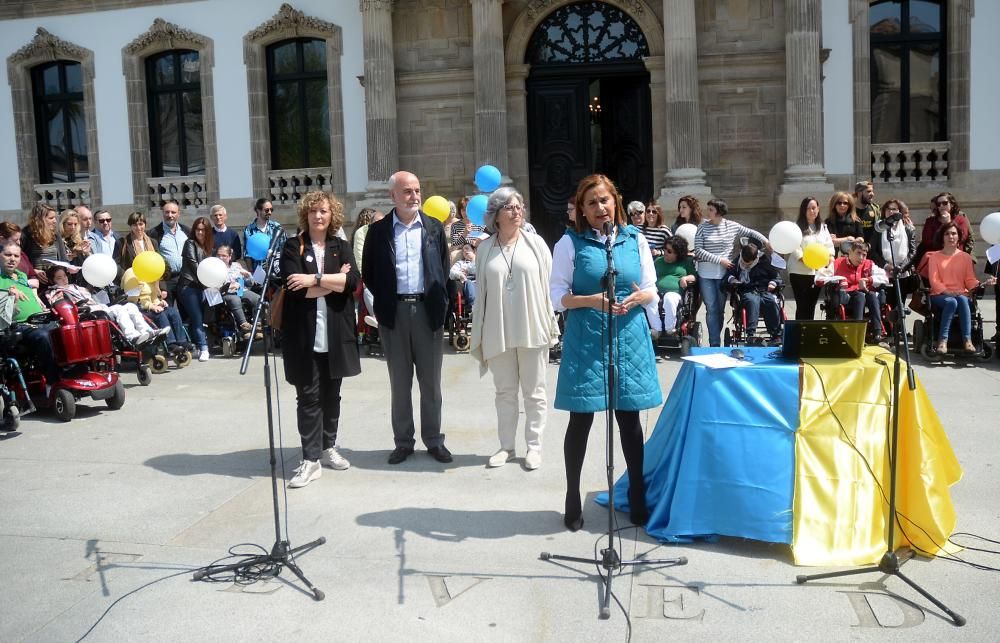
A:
(405, 266)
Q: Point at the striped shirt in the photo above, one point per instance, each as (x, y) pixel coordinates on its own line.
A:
(657, 238)
(713, 243)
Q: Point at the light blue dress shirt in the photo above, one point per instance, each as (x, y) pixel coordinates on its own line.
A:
(171, 246)
(408, 240)
(99, 244)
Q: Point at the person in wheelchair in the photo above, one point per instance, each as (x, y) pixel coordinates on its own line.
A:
(757, 283)
(237, 290)
(14, 284)
(675, 272)
(464, 272)
(861, 286)
(126, 316)
(952, 278)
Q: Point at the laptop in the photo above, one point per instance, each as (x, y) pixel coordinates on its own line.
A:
(836, 339)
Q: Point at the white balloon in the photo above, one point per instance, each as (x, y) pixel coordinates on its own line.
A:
(99, 270)
(687, 232)
(785, 237)
(989, 229)
(212, 272)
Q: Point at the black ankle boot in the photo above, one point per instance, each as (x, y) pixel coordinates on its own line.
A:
(638, 513)
(573, 518)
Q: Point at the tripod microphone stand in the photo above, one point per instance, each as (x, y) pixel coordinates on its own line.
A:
(610, 560)
(892, 560)
(282, 554)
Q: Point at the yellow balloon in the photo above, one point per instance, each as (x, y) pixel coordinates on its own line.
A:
(437, 207)
(148, 266)
(815, 256)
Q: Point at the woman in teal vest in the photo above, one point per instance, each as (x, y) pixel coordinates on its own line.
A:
(578, 265)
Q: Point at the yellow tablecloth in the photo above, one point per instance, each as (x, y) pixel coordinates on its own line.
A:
(839, 512)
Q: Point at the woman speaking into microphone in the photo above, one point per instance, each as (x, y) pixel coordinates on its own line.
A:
(579, 265)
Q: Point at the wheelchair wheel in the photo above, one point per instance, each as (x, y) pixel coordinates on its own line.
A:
(182, 359)
(11, 418)
(157, 364)
(462, 342)
(927, 353)
(144, 374)
(918, 334)
(64, 405)
(985, 354)
(686, 344)
(727, 338)
(117, 400)
(227, 346)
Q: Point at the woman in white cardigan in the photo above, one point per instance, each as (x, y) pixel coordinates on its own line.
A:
(513, 323)
(801, 276)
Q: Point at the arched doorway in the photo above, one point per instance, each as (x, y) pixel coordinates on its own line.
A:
(588, 108)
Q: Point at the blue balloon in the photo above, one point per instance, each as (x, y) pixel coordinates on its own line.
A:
(257, 245)
(488, 178)
(476, 208)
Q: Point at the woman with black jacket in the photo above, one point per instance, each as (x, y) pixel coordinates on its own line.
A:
(319, 344)
(190, 291)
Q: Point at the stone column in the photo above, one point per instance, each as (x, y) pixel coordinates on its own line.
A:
(803, 99)
(680, 51)
(490, 85)
(380, 99)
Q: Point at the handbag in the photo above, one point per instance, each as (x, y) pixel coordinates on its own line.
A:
(278, 298)
(919, 303)
(277, 307)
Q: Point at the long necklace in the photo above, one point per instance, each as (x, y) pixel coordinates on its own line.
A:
(509, 281)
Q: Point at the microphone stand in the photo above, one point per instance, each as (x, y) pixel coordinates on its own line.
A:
(892, 560)
(282, 554)
(610, 560)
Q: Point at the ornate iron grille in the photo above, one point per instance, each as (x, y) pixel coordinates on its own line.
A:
(586, 32)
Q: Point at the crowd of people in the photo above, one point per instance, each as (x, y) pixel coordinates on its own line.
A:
(406, 267)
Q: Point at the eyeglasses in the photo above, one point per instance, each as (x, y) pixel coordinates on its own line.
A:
(104, 220)
(843, 203)
(512, 207)
(268, 209)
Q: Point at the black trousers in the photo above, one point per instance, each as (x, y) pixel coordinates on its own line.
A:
(318, 409)
(575, 450)
(806, 294)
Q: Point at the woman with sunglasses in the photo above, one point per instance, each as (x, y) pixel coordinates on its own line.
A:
(944, 209)
(654, 230)
(843, 222)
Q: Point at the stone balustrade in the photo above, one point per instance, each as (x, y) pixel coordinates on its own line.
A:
(910, 162)
(189, 191)
(63, 195)
(288, 186)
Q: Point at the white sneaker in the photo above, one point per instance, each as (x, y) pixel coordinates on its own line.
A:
(142, 338)
(308, 471)
(371, 321)
(500, 458)
(332, 458)
(203, 355)
(163, 332)
(533, 459)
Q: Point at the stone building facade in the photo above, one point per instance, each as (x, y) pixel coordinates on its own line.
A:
(759, 102)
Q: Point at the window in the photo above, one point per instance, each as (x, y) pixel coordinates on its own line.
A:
(586, 32)
(60, 125)
(176, 138)
(298, 107)
(908, 70)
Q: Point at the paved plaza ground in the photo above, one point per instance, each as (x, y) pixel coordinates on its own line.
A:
(127, 504)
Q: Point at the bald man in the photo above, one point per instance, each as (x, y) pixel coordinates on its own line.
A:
(405, 265)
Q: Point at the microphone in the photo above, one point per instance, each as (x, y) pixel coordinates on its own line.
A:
(885, 223)
(606, 229)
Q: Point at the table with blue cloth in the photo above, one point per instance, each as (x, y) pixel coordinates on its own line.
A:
(795, 452)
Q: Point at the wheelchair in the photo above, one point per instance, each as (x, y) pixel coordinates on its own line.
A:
(741, 335)
(459, 319)
(686, 333)
(222, 327)
(367, 326)
(85, 358)
(925, 333)
(834, 310)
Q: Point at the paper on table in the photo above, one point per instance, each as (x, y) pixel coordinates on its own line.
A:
(717, 360)
(993, 253)
(778, 261)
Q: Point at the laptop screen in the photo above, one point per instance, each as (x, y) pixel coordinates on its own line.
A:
(843, 339)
